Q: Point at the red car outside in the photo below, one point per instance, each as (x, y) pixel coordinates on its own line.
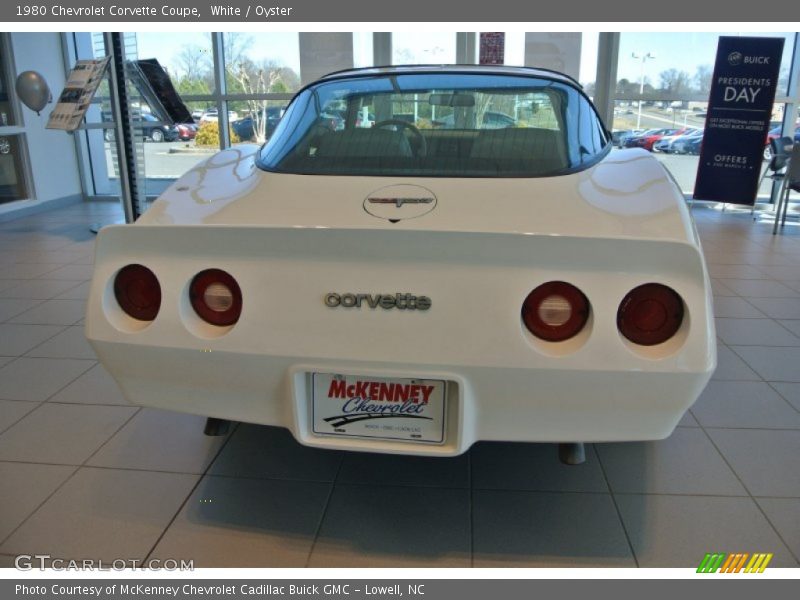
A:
(650, 137)
(186, 132)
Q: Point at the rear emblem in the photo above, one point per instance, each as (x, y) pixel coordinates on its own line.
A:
(398, 202)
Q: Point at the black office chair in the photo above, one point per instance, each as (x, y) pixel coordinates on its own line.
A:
(780, 149)
(791, 183)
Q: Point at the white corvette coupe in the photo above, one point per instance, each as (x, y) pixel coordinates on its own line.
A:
(376, 281)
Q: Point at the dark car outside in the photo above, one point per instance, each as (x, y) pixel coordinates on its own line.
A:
(619, 136)
(150, 127)
(245, 128)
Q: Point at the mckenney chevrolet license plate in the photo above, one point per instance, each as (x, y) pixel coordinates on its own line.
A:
(379, 407)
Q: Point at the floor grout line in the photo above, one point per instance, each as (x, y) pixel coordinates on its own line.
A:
(749, 494)
(616, 507)
(197, 483)
(77, 469)
(325, 507)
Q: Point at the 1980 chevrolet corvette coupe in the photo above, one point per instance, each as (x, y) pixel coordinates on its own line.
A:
(390, 285)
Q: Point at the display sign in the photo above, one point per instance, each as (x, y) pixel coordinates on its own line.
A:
(82, 83)
(154, 84)
(739, 110)
(492, 48)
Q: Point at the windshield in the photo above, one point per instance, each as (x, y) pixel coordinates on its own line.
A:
(437, 125)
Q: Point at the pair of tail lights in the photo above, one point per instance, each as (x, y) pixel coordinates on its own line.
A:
(648, 315)
(214, 295)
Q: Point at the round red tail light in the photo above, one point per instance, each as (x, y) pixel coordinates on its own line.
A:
(216, 297)
(650, 314)
(555, 311)
(138, 292)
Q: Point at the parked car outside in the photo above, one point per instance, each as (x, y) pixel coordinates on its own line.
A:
(150, 127)
(212, 115)
(186, 131)
(688, 143)
(647, 139)
(245, 128)
(618, 136)
(666, 142)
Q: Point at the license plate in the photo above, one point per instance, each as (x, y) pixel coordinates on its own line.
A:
(379, 407)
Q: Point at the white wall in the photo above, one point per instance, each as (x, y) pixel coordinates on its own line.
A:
(52, 156)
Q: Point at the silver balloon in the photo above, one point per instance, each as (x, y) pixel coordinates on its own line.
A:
(33, 90)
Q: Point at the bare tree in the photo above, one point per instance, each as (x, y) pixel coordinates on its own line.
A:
(674, 81)
(235, 46)
(253, 83)
(702, 78)
(192, 62)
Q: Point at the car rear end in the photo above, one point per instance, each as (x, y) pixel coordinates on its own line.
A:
(473, 319)
(395, 290)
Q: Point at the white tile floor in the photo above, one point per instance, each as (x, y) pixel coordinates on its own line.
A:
(84, 475)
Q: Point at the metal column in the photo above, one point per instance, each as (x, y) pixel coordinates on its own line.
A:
(131, 195)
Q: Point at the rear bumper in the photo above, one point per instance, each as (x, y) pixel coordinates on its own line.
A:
(483, 403)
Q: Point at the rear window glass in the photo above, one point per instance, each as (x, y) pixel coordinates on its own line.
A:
(437, 125)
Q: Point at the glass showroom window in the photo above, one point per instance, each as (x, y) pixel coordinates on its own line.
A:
(262, 63)
(261, 72)
(663, 81)
(13, 181)
(171, 150)
(432, 48)
(12, 169)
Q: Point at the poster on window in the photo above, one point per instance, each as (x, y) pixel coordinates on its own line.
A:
(492, 48)
(739, 112)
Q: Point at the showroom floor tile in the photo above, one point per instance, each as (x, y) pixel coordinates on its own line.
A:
(386, 526)
(533, 467)
(755, 332)
(25, 487)
(36, 379)
(62, 434)
(746, 405)
(684, 463)
(83, 474)
(95, 386)
(103, 513)
(271, 452)
(677, 531)
(69, 343)
(546, 529)
(158, 440)
(230, 522)
(392, 469)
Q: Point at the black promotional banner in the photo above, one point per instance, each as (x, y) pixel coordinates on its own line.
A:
(739, 111)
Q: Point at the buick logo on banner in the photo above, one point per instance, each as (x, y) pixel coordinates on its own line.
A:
(739, 111)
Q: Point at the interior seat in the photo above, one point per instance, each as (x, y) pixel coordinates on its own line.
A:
(544, 146)
(370, 143)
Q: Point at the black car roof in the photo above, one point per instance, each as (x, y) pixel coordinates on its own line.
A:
(444, 68)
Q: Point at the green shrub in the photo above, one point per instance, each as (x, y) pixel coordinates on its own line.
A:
(208, 135)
